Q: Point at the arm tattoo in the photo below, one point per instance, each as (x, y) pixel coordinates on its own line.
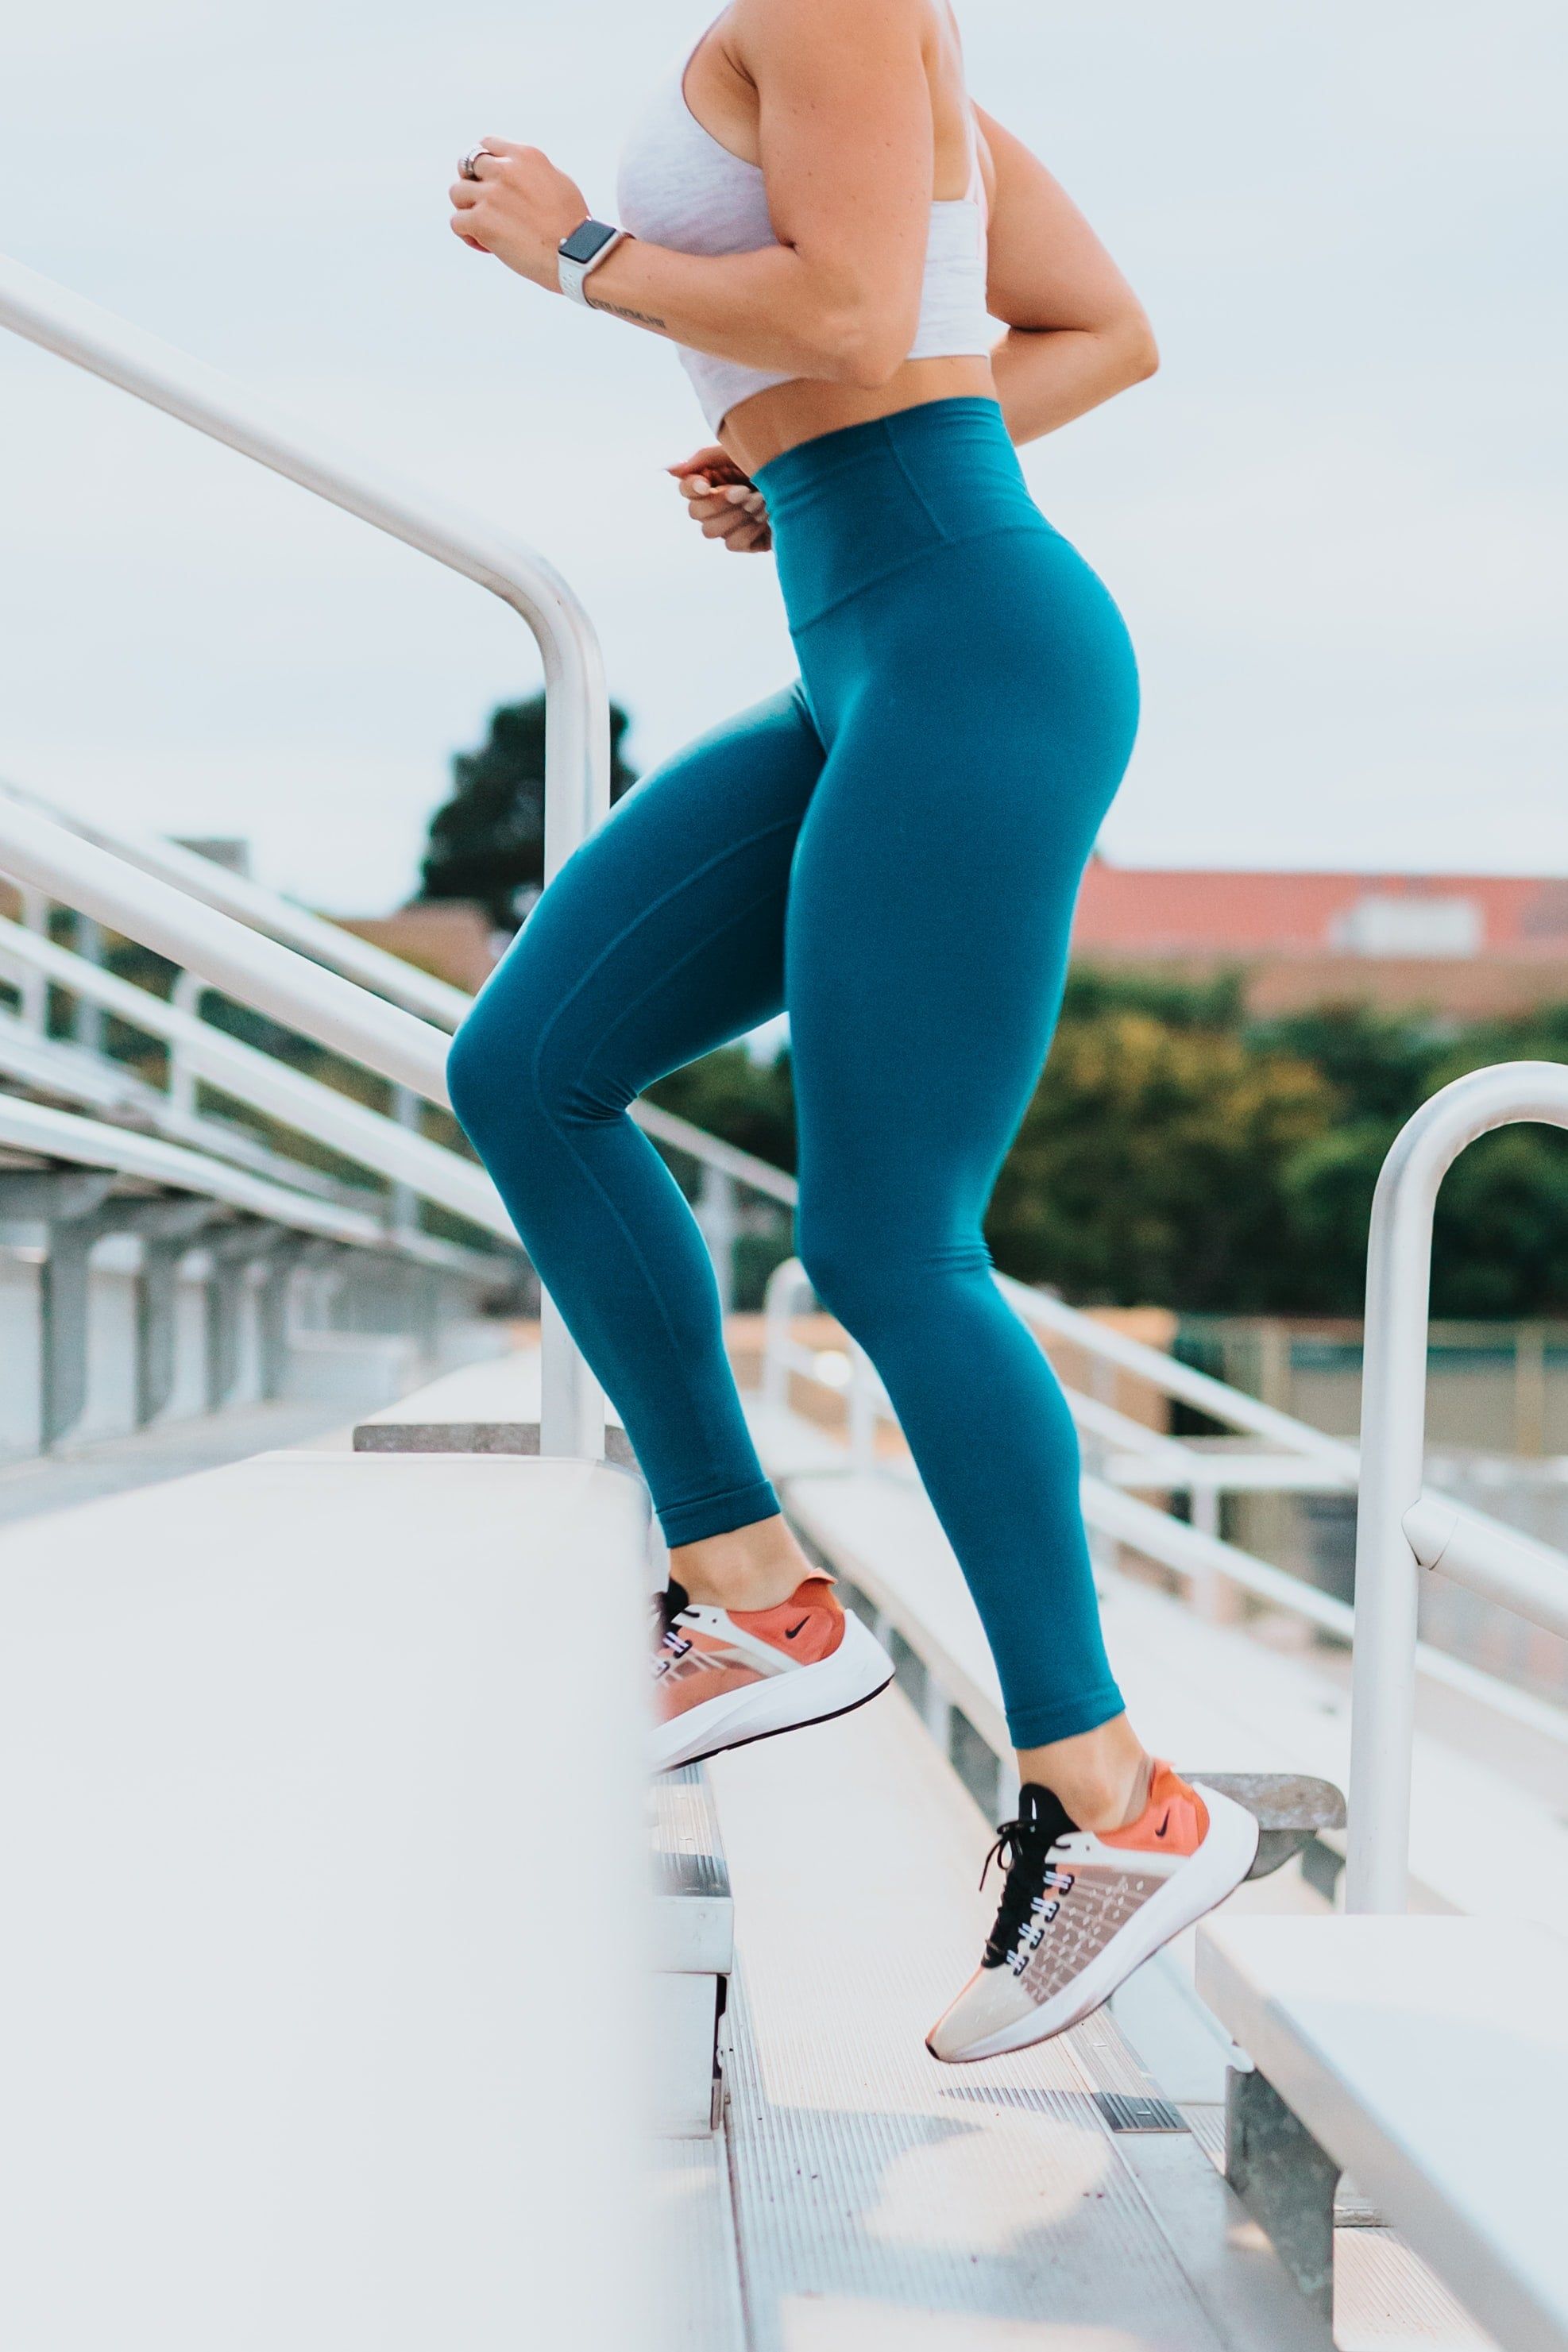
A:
(638, 317)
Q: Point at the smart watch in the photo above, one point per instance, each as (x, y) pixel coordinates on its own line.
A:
(590, 243)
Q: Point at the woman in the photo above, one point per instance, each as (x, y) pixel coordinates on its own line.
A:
(824, 226)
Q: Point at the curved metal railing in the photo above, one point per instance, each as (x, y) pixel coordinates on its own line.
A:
(260, 970)
(1524, 1576)
(1398, 1528)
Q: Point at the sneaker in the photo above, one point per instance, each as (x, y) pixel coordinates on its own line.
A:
(1083, 1908)
(725, 1676)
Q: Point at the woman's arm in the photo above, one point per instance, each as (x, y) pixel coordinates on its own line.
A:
(1077, 334)
(846, 142)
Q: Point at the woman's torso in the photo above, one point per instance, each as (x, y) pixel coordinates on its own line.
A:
(692, 175)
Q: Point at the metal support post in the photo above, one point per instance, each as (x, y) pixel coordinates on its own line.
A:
(938, 1713)
(1529, 1389)
(167, 1231)
(862, 1408)
(69, 1206)
(231, 1259)
(1214, 1597)
(718, 1219)
(1393, 1448)
(1287, 2182)
(402, 1200)
(186, 997)
(272, 1319)
(87, 1018)
(31, 983)
(777, 1300)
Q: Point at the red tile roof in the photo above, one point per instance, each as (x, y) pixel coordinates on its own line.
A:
(1132, 911)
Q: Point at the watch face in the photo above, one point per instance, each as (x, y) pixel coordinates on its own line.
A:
(586, 240)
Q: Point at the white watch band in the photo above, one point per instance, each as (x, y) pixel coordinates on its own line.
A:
(574, 275)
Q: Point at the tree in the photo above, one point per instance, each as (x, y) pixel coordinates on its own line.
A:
(1500, 1235)
(486, 842)
(1150, 1166)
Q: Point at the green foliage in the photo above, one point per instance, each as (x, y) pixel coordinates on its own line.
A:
(1149, 1165)
(1381, 1065)
(750, 1103)
(486, 842)
(1213, 1003)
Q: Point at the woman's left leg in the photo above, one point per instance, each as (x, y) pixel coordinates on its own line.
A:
(661, 939)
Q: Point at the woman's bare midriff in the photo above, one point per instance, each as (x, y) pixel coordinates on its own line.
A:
(764, 428)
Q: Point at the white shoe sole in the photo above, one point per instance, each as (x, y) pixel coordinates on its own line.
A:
(1216, 1870)
(857, 1670)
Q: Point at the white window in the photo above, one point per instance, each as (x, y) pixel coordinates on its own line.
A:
(1382, 925)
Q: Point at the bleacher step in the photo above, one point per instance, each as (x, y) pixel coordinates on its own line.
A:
(1429, 2057)
(298, 1924)
(694, 1949)
(488, 1407)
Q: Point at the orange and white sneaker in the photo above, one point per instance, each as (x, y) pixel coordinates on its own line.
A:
(1082, 1909)
(725, 1676)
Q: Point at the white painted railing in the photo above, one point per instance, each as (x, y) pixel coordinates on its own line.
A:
(199, 1050)
(393, 1026)
(264, 911)
(1400, 1528)
(1194, 1552)
(228, 955)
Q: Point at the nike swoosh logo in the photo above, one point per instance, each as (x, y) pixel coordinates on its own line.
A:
(1164, 1827)
(794, 1630)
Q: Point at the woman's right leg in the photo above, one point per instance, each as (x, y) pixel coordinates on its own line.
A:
(661, 939)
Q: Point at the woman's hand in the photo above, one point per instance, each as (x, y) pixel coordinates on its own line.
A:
(726, 502)
(518, 208)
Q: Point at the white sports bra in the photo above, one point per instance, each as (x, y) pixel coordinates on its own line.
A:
(678, 187)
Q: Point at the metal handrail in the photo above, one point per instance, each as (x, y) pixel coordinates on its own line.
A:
(64, 1135)
(302, 1104)
(1192, 1552)
(260, 970)
(1392, 1521)
(253, 904)
(1475, 1548)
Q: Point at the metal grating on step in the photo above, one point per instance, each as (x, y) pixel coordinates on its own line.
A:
(881, 2199)
(689, 1856)
(1125, 2113)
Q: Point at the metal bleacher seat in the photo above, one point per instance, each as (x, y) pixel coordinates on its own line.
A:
(1429, 2057)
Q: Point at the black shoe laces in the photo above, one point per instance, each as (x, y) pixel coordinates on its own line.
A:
(668, 1644)
(667, 1606)
(1022, 1848)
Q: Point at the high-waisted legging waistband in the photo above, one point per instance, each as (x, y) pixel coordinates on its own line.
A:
(854, 508)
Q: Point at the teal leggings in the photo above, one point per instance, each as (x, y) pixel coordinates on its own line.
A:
(890, 852)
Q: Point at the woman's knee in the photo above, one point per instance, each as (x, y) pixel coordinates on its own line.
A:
(490, 1069)
(847, 1264)
(515, 1069)
(472, 1072)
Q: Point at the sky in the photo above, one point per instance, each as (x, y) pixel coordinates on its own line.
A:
(1337, 519)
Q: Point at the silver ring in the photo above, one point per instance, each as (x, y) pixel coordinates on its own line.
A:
(465, 168)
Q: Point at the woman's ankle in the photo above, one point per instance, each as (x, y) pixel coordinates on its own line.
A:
(1101, 1776)
(753, 1567)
